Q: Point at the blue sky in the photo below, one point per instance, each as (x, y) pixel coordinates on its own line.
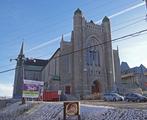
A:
(36, 22)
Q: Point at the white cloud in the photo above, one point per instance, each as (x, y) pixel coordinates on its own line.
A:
(6, 90)
(134, 52)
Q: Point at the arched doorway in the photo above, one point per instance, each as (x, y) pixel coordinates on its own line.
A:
(95, 89)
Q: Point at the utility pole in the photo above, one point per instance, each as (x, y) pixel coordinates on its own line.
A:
(146, 7)
(145, 3)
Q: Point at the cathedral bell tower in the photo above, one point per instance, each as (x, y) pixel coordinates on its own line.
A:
(108, 52)
(78, 25)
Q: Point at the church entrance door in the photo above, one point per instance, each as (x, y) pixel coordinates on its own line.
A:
(95, 90)
(67, 89)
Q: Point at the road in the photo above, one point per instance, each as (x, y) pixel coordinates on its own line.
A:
(118, 104)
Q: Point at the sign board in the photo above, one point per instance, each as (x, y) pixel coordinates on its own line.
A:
(32, 88)
(71, 109)
(59, 92)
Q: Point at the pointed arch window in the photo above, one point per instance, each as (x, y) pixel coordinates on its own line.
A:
(92, 53)
(98, 57)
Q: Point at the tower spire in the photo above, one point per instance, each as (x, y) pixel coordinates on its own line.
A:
(62, 39)
(21, 54)
(21, 50)
(117, 48)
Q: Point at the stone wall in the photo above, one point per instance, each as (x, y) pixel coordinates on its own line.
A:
(3, 103)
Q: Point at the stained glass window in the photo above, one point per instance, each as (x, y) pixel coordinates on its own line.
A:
(92, 53)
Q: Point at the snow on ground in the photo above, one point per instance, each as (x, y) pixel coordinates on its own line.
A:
(14, 110)
(124, 114)
(90, 112)
(54, 111)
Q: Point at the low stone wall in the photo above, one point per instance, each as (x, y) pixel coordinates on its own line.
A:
(11, 112)
(6, 102)
(3, 103)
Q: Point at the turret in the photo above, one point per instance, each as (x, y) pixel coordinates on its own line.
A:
(77, 18)
(72, 36)
(62, 42)
(106, 25)
(109, 61)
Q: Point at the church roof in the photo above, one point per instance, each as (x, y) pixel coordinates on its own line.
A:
(36, 62)
(54, 54)
(143, 67)
(124, 66)
(140, 69)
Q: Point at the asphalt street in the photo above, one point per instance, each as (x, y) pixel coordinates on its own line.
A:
(118, 104)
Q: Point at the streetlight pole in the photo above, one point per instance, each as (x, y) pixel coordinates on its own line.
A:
(145, 3)
(146, 7)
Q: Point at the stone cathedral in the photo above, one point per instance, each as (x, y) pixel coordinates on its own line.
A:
(84, 65)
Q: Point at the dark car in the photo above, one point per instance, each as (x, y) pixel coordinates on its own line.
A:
(112, 97)
(135, 97)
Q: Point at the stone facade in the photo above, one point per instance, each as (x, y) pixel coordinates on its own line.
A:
(85, 65)
(117, 70)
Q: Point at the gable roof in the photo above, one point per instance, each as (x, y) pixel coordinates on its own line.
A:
(124, 66)
(140, 69)
(35, 62)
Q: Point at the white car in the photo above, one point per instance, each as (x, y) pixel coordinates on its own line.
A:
(112, 97)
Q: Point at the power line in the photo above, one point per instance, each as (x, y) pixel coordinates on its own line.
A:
(114, 40)
(106, 11)
(128, 20)
(6, 65)
(114, 15)
(7, 70)
(125, 26)
(56, 39)
(64, 20)
(112, 32)
(128, 25)
(54, 16)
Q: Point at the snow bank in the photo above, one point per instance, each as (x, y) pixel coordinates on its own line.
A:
(54, 111)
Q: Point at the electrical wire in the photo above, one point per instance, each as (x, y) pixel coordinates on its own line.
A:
(125, 26)
(64, 20)
(54, 16)
(112, 31)
(135, 34)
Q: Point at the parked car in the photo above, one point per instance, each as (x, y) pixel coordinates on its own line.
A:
(135, 97)
(145, 95)
(112, 97)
